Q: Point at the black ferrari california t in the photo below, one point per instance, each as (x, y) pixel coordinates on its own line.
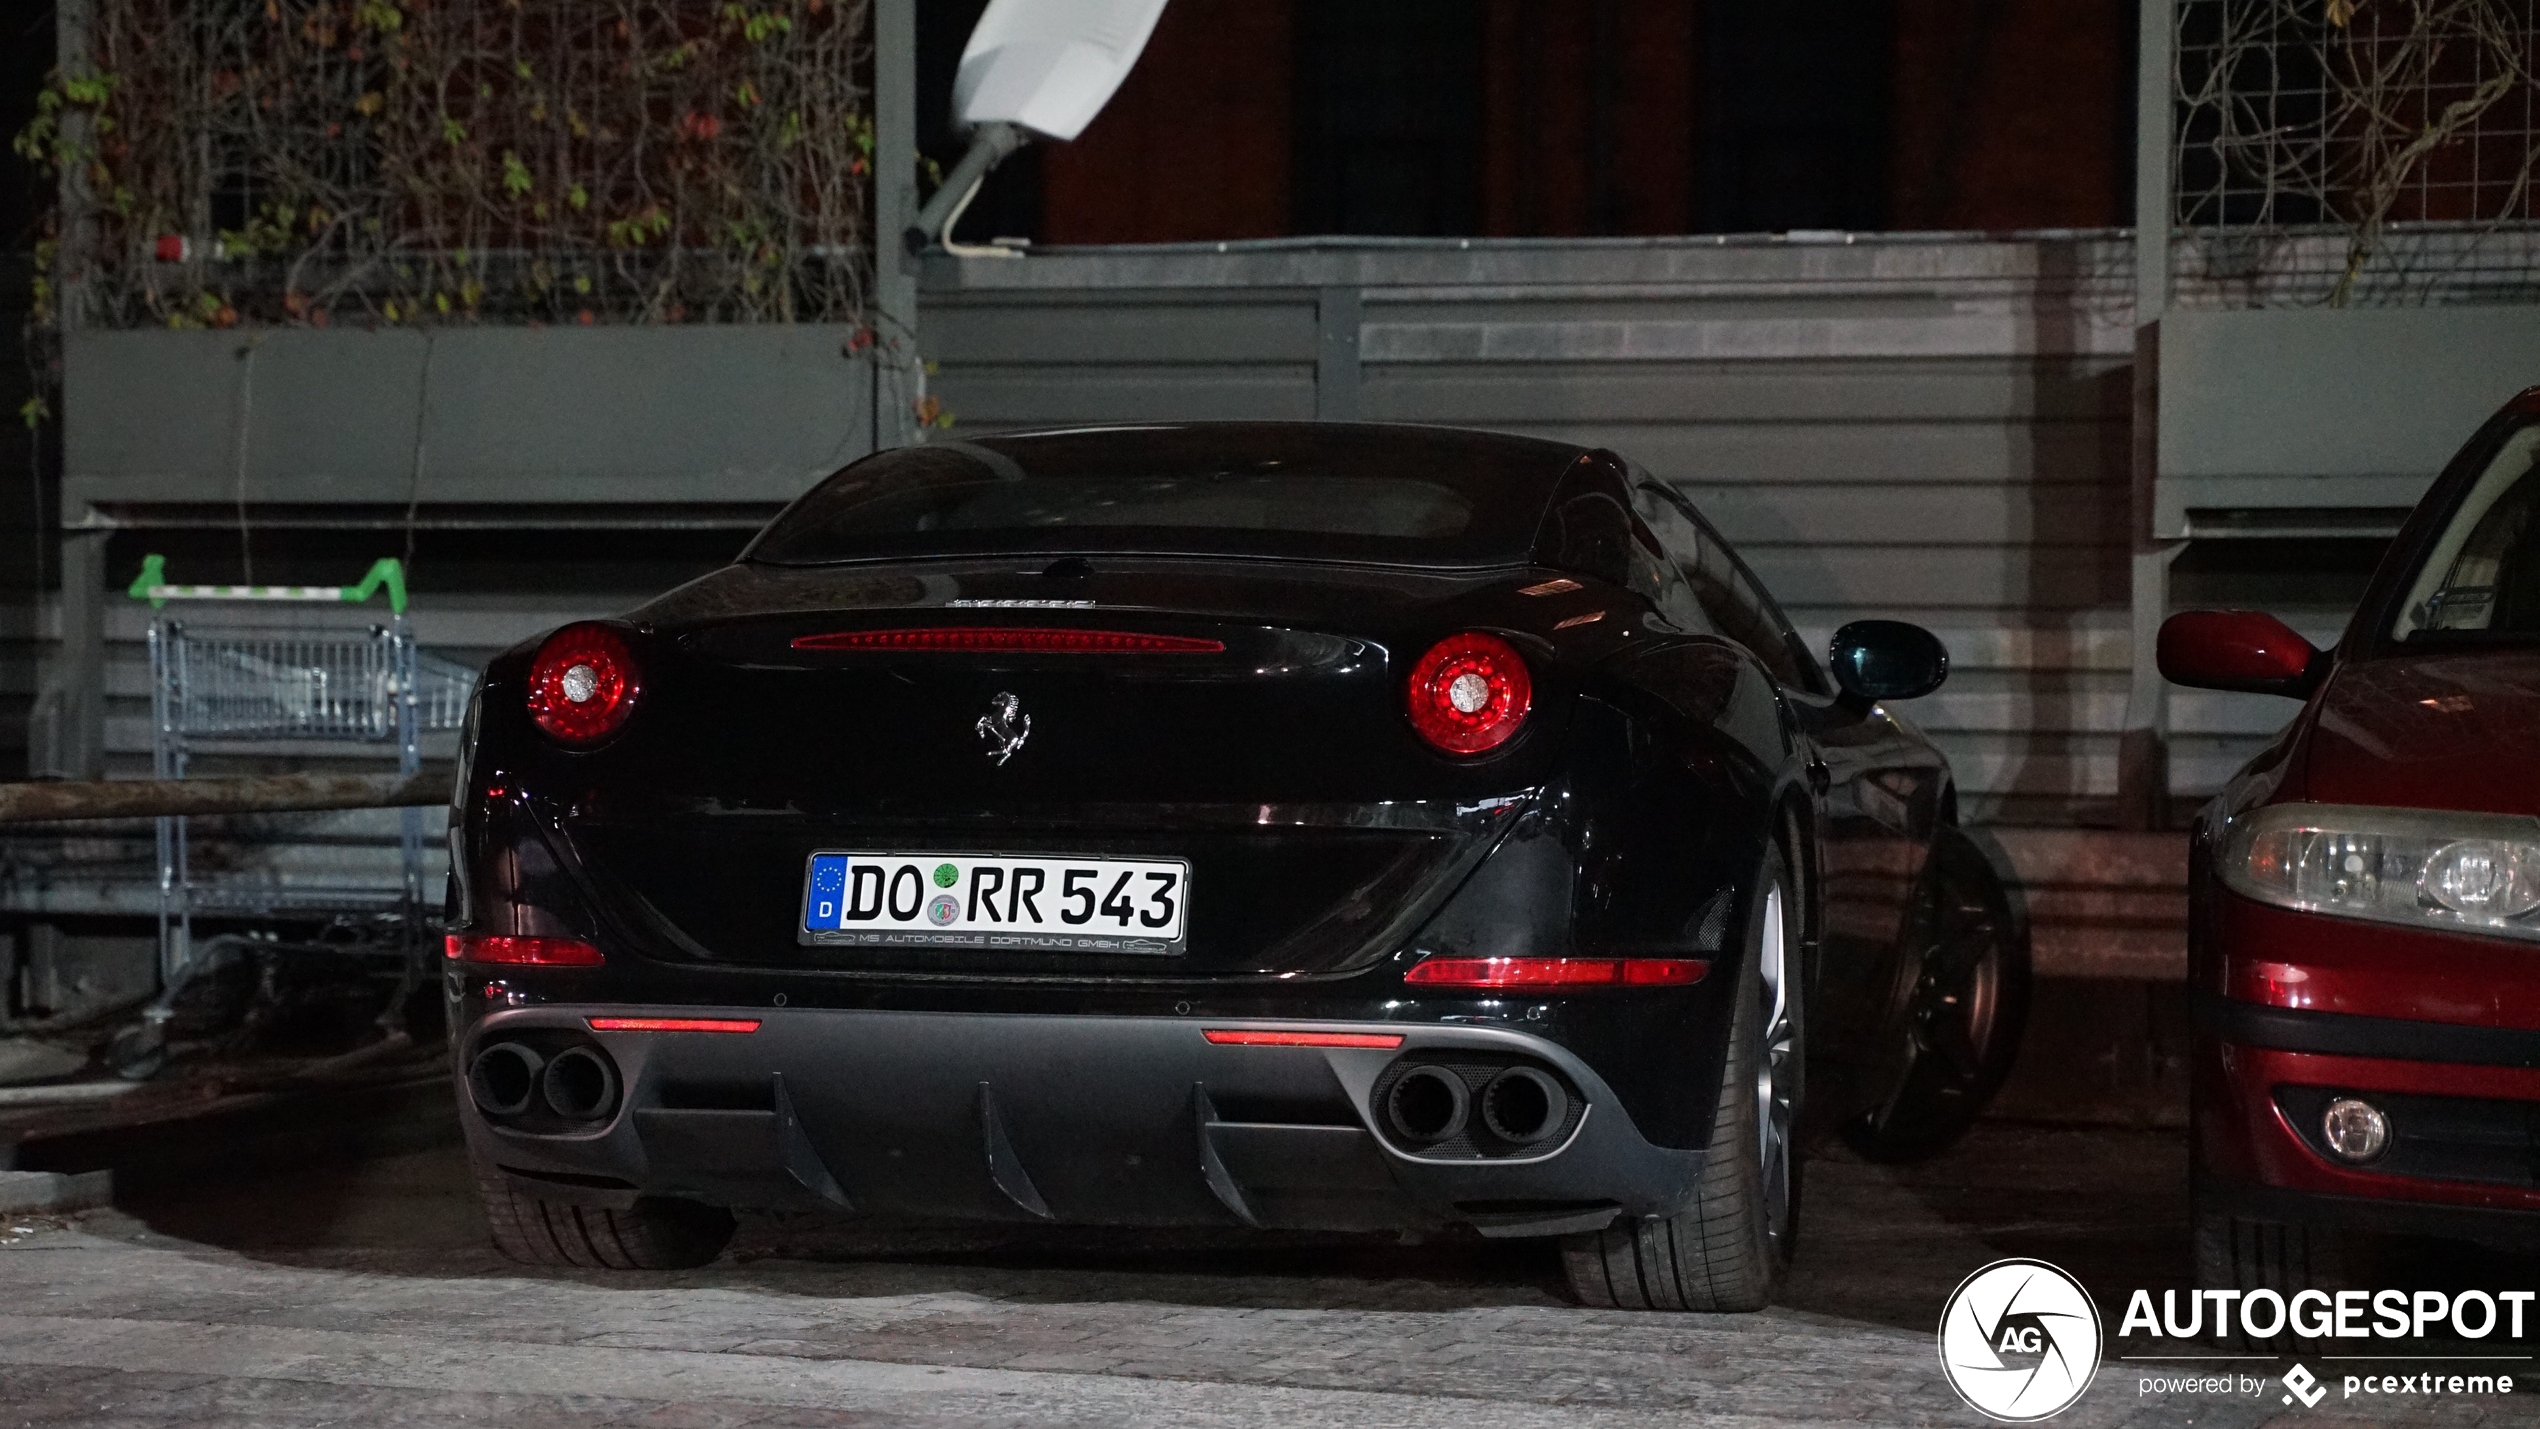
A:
(1283, 825)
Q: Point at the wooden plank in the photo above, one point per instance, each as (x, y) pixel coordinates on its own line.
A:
(56, 801)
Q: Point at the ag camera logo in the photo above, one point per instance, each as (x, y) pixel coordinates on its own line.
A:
(2019, 1341)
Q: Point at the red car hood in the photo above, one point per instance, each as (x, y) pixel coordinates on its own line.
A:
(2456, 730)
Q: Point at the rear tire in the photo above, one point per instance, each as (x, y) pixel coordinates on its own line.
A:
(1729, 1250)
(653, 1234)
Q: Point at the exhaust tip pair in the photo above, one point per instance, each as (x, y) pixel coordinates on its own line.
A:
(509, 1079)
(1519, 1106)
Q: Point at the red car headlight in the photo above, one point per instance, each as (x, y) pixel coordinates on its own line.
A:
(2472, 873)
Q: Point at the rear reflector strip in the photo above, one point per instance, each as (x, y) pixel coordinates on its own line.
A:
(674, 1024)
(1012, 640)
(1249, 1037)
(537, 952)
(1557, 972)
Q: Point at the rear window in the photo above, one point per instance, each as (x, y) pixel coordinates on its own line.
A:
(1396, 495)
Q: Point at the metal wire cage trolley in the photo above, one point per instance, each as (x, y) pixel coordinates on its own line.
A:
(305, 689)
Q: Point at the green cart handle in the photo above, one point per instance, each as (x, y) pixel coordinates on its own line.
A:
(152, 585)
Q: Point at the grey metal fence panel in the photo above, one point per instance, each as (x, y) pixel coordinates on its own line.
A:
(1937, 430)
(1933, 429)
(494, 415)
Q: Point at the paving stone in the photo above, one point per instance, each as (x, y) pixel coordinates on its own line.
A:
(306, 1302)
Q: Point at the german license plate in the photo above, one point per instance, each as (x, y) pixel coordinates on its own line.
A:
(1029, 903)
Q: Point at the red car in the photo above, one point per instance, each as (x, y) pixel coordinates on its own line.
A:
(2364, 928)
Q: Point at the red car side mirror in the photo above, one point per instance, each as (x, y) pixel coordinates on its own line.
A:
(2244, 650)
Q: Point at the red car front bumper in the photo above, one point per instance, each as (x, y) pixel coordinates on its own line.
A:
(2439, 1030)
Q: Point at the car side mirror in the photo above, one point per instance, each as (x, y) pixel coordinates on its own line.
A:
(2246, 651)
(1887, 660)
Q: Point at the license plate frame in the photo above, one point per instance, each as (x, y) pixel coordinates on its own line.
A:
(991, 913)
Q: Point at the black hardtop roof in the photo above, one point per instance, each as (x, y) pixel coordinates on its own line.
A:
(1502, 485)
(1380, 447)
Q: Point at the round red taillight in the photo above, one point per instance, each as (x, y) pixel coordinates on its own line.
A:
(1470, 693)
(583, 684)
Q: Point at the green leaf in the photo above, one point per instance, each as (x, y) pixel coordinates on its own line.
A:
(516, 180)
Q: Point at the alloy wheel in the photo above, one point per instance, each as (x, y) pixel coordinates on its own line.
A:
(1777, 1068)
(1957, 1003)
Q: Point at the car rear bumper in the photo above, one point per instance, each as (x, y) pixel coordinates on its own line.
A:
(2463, 1104)
(1080, 1119)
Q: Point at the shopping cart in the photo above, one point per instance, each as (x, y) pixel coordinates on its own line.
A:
(357, 692)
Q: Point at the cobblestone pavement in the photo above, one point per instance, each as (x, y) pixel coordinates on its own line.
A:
(368, 1297)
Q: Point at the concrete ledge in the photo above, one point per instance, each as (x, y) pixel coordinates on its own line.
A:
(2101, 904)
(35, 1192)
(2101, 1051)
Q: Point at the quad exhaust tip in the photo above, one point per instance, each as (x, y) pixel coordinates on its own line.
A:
(511, 1079)
(580, 1085)
(1427, 1104)
(1524, 1106)
(504, 1078)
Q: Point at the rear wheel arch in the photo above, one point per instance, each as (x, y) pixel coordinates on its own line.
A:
(1729, 1247)
(1795, 831)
